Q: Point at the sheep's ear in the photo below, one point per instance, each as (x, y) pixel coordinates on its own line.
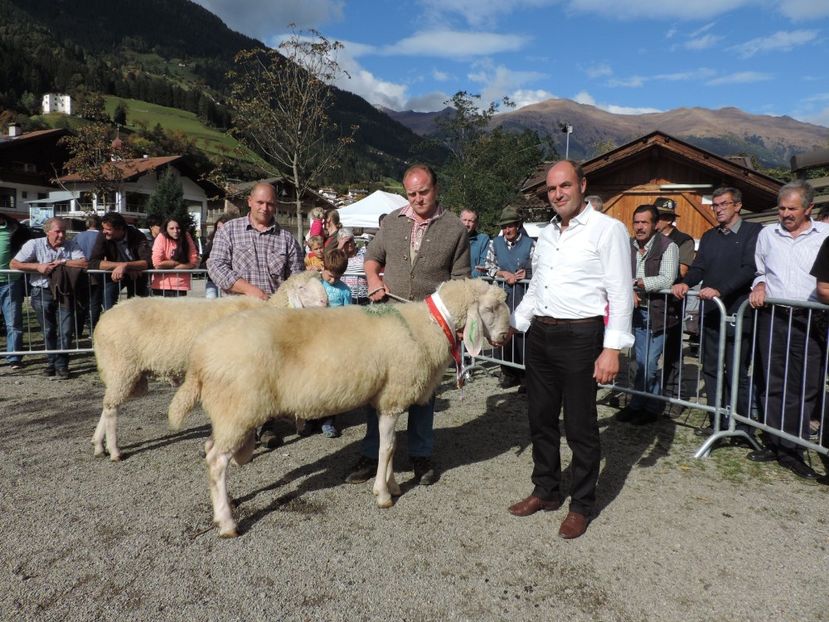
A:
(473, 336)
(294, 299)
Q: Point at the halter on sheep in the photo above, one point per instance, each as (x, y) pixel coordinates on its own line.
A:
(255, 366)
(144, 336)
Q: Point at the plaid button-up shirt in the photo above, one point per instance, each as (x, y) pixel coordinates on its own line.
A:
(264, 259)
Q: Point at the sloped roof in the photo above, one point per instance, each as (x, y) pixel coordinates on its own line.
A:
(130, 170)
(742, 176)
(29, 137)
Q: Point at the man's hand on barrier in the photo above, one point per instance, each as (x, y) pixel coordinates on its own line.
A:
(757, 297)
(679, 290)
(709, 293)
(118, 272)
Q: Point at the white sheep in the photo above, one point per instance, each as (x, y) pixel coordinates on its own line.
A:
(144, 336)
(255, 366)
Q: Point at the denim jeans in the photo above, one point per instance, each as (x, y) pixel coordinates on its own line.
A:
(56, 322)
(11, 303)
(647, 348)
(420, 435)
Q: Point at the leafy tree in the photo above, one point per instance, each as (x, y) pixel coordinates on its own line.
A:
(601, 147)
(119, 115)
(282, 100)
(485, 168)
(167, 201)
(95, 150)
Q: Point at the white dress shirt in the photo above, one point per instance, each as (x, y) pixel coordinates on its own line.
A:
(783, 262)
(579, 272)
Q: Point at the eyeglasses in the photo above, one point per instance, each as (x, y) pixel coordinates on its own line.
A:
(723, 204)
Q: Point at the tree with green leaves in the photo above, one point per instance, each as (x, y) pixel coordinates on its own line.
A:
(282, 101)
(119, 115)
(486, 166)
(95, 150)
(167, 201)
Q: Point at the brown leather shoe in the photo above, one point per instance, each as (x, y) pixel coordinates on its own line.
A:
(533, 504)
(573, 525)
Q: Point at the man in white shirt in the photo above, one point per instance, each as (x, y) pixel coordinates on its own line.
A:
(580, 268)
(791, 346)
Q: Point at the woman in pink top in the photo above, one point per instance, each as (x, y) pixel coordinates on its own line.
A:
(173, 249)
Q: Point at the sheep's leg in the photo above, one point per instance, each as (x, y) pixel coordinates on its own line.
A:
(106, 429)
(245, 452)
(385, 484)
(217, 476)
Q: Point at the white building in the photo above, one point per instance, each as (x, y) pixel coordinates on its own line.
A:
(55, 102)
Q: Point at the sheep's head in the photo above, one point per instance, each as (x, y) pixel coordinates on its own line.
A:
(301, 290)
(480, 309)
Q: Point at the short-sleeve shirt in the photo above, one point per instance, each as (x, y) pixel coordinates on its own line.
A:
(39, 251)
(339, 294)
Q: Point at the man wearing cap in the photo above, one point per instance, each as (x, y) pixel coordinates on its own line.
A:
(478, 242)
(673, 337)
(509, 258)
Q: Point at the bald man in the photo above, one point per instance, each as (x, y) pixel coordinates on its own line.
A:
(253, 255)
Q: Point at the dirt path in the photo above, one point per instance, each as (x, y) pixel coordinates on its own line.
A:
(676, 538)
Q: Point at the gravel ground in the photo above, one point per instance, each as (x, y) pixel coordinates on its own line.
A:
(675, 539)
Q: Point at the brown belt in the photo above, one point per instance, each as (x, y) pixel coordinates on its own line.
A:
(553, 321)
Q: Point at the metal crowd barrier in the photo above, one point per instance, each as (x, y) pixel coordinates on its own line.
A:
(84, 313)
(797, 339)
(684, 387)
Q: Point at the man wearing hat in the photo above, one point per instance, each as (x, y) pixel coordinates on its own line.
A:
(509, 258)
(673, 337)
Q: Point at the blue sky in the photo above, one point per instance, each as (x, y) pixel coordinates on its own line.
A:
(763, 56)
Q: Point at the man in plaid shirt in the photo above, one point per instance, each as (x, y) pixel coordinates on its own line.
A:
(253, 255)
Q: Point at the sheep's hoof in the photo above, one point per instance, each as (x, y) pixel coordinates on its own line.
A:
(395, 490)
(384, 501)
(99, 451)
(229, 532)
(115, 457)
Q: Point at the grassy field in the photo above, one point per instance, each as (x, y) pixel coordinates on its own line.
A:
(208, 139)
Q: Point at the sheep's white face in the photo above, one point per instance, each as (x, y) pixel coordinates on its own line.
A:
(492, 308)
(310, 293)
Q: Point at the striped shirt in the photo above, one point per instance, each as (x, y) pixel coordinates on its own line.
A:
(668, 267)
(264, 259)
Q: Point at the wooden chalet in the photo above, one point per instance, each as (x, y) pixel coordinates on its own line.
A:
(658, 165)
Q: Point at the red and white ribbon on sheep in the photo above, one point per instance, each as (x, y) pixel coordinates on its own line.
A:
(255, 366)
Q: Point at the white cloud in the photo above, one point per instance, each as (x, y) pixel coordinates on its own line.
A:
(454, 44)
(633, 82)
(583, 97)
(613, 109)
(440, 76)
(671, 32)
(479, 12)
(599, 71)
(741, 77)
(701, 30)
(499, 80)
(428, 102)
(703, 73)
(779, 41)
(523, 97)
(702, 43)
(659, 9)
(821, 118)
(259, 19)
(804, 9)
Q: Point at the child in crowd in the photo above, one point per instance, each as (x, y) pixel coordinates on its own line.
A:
(339, 294)
(313, 259)
(317, 227)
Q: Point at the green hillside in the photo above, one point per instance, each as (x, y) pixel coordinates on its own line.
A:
(209, 140)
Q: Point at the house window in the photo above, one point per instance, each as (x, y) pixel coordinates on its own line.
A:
(137, 202)
(7, 196)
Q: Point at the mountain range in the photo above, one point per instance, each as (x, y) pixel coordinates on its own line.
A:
(727, 131)
(176, 53)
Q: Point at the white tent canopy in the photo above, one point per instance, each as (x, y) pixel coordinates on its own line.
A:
(366, 212)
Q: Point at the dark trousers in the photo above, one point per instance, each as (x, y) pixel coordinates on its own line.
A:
(56, 321)
(710, 363)
(560, 364)
(88, 311)
(789, 373)
(672, 362)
